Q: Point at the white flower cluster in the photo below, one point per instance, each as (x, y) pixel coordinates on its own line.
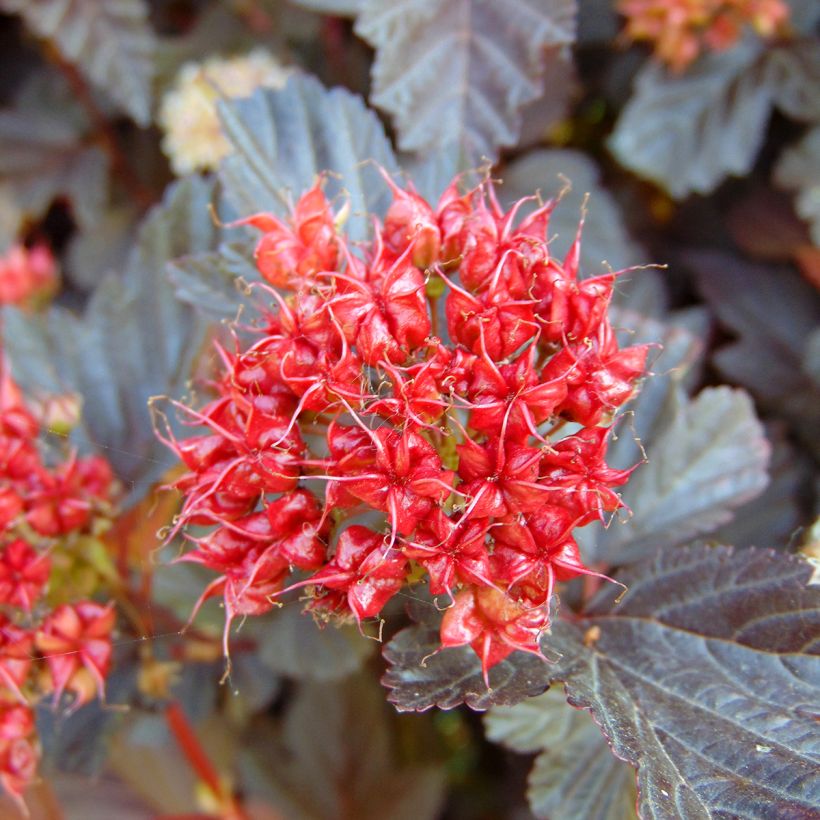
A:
(193, 138)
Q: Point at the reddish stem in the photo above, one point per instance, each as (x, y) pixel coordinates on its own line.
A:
(188, 741)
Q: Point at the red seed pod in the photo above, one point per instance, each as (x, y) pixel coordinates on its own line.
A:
(289, 256)
(75, 640)
(347, 402)
(493, 624)
(411, 223)
(19, 750)
(27, 275)
(364, 570)
(15, 656)
(23, 574)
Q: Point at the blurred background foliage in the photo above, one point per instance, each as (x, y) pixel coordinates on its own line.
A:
(113, 156)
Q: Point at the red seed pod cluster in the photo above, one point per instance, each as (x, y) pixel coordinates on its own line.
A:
(46, 648)
(28, 276)
(681, 29)
(451, 378)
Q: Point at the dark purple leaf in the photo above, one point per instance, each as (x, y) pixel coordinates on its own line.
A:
(773, 312)
(705, 456)
(687, 132)
(292, 644)
(215, 282)
(133, 341)
(462, 70)
(605, 237)
(111, 42)
(774, 517)
(420, 679)
(799, 170)
(339, 8)
(576, 775)
(45, 153)
(709, 456)
(706, 677)
(283, 139)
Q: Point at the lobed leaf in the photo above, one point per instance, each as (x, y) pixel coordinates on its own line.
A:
(419, 677)
(706, 456)
(582, 778)
(705, 677)
(213, 281)
(42, 156)
(111, 41)
(794, 75)
(576, 774)
(101, 247)
(775, 516)
(798, 169)
(133, 341)
(773, 313)
(461, 70)
(686, 132)
(710, 456)
(78, 741)
(293, 644)
(282, 140)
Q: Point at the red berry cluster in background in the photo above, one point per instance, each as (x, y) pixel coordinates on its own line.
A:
(28, 276)
(48, 645)
(681, 29)
(451, 378)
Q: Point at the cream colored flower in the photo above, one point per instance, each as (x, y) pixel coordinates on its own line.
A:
(193, 137)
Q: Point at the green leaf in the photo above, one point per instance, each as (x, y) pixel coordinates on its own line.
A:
(333, 758)
(576, 774)
(705, 677)
(282, 140)
(133, 341)
(461, 70)
(111, 42)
